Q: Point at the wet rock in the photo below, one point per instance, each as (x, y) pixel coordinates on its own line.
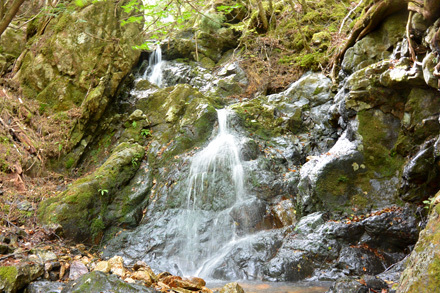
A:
(419, 178)
(232, 288)
(77, 269)
(45, 287)
(309, 223)
(393, 231)
(15, 278)
(249, 215)
(285, 213)
(358, 260)
(96, 282)
(289, 266)
(347, 285)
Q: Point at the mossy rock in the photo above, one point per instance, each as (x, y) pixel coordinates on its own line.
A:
(81, 208)
(181, 118)
(15, 278)
(423, 266)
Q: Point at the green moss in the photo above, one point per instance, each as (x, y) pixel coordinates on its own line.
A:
(8, 273)
(97, 227)
(378, 157)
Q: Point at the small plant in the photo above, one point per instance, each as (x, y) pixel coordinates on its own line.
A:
(428, 203)
(103, 191)
(99, 176)
(145, 132)
(135, 161)
(134, 124)
(343, 179)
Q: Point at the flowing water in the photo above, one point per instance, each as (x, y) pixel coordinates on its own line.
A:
(215, 186)
(154, 72)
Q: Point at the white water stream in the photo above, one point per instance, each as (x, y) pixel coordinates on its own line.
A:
(154, 70)
(215, 187)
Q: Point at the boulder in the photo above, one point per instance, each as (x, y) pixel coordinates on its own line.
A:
(77, 269)
(15, 278)
(96, 282)
(81, 209)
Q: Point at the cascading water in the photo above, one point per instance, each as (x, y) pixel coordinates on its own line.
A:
(154, 70)
(215, 185)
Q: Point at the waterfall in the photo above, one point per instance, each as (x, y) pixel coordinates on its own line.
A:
(215, 186)
(154, 70)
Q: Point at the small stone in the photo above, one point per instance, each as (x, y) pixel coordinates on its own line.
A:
(136, 115)
(77, 269)
(232, 288)
(198, 281)
(46, 256)
(130, 281)
(139, 265)
(117, 266)
(143, 276)
(103, 266)
(163, 275)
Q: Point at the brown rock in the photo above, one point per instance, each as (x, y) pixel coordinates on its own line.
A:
(117, 266)
(163, 275)
(103, 266)
(143, 276)
(232, 288)
(178, 282)
(197, 281)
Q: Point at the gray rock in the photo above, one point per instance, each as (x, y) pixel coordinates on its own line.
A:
(45, 287)
(77, 269)
(99, 282)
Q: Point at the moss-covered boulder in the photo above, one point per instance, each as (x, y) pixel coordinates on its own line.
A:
(83, 209)
(377, 45)
(211, 45)
(16, 278)
(80, 60)
(12, 43)
(423, 266)
(181, 118)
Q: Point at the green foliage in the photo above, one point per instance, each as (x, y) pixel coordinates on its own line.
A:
(145, 132)
(103, 191)
(228, 8)
(211, 22)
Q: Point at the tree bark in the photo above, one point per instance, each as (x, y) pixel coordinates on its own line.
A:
(10, 15)
(263, 17)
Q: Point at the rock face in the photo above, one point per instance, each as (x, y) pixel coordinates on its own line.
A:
(422, 267)
(80, 61)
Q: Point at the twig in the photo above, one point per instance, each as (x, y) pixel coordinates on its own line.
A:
(348, 15)
(12, 254)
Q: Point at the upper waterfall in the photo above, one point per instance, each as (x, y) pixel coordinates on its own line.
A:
(154, 72)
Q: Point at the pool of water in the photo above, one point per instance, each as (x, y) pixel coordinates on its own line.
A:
(276, 287)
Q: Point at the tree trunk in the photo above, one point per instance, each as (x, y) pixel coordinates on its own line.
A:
(263, 17)
(10, 15)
